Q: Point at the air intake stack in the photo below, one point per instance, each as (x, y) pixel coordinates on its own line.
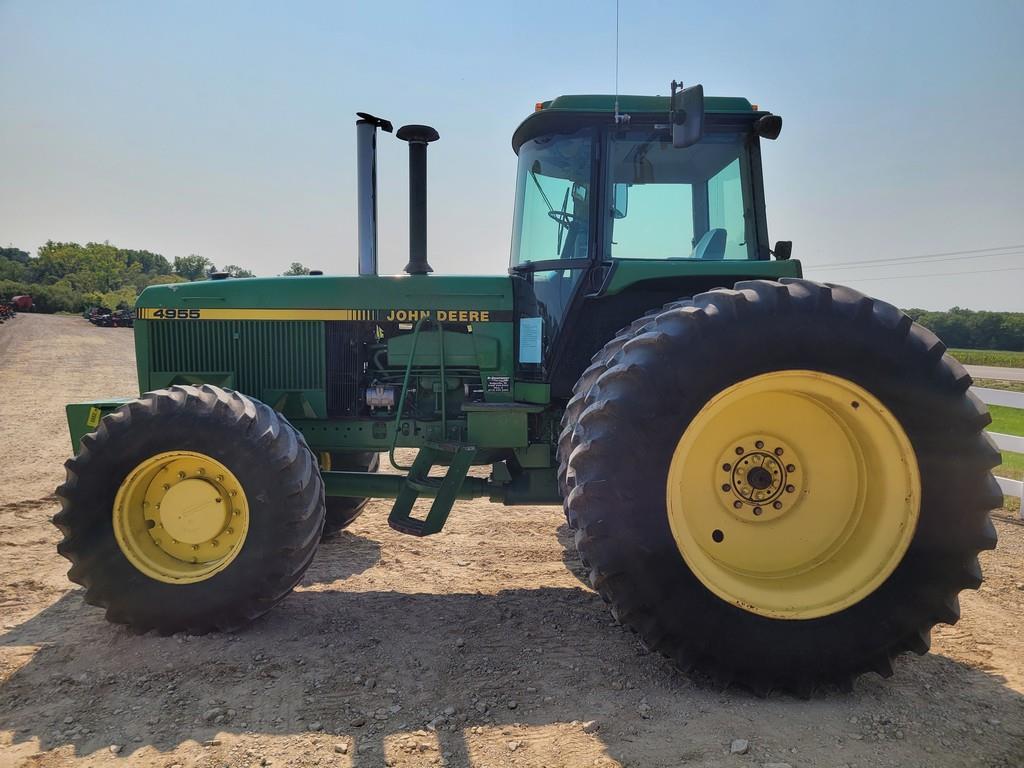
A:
(366, 181)
(418, 137)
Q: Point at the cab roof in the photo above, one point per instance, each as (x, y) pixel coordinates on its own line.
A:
(630, 104)
(565, 113)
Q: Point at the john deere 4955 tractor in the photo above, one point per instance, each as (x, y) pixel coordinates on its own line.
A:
(781, 482)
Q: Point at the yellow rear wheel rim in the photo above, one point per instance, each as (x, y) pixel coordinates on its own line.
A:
(180, 517)
(793, 494)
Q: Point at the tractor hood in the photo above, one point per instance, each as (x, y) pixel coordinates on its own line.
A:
(401, 298)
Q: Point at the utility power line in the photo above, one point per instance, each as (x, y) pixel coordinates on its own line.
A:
(936, 274)
(978, 253)
(907, 262)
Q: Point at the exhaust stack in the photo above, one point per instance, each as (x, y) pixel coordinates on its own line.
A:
(418, 137)
(366, 181)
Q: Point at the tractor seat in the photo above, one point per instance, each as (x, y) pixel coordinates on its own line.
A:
(711, 246)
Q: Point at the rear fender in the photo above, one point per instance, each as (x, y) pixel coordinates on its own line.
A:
(83, 418)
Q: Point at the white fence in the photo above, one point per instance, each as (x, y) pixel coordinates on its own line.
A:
(1006, 442)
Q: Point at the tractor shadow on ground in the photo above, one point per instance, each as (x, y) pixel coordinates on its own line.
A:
(570, 557)
(371, 668)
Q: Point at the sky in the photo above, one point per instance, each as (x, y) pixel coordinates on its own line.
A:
(227, 129)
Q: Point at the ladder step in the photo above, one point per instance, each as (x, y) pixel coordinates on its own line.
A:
(445, 489)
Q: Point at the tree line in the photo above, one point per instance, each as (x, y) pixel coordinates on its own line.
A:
(68, 277)
(970, 329)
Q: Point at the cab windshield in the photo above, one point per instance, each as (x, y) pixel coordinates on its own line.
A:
(552, 218)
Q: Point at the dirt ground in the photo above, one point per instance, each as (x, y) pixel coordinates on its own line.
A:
(477, 647)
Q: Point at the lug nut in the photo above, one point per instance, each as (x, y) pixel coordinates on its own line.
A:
(757, 510)
(777, 504)
(737, 504)
(739, 450)
(725, 486)
(759, 444)
(778, 451)
(181, 475)
(790, 488)
(726, 467)
(167, 487)
(195, 546)
(791, 467)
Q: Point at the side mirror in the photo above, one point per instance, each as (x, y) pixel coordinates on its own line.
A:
(768, 126)
(687, 116)
(620, 200)
(783, 249)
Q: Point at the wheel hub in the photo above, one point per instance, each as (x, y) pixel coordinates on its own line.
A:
(760, 479)
(180, 517)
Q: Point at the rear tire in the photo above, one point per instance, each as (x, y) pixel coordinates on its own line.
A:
(659, 378)
(578, 402)
(280, 502)
(343, 510)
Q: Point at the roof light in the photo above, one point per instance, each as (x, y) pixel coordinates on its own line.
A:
(754, 107)
(538, 106)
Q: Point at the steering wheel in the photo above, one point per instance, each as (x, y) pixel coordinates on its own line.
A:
(563, 217)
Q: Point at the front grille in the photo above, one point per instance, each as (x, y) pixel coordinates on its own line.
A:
(262, 354)
(344, 368)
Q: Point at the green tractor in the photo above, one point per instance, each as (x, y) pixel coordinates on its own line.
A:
(779, 482)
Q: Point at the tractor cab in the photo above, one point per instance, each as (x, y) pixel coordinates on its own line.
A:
(609, 195)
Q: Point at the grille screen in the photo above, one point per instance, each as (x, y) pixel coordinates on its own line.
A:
(263, 354)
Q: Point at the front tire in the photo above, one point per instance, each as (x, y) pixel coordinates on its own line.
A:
(191, 509)
(655, 507)
(343, 510)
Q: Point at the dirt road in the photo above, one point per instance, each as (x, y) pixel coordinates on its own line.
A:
(478, 647)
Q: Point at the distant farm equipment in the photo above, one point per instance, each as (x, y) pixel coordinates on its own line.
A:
(119, 318)
(22, 303)
(108, 318)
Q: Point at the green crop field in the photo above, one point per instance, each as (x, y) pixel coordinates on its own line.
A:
(997, 357)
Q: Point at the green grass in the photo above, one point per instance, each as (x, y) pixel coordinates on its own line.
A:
(1009, 421)
(997, 357)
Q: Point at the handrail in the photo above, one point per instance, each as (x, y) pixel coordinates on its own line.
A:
(401, 398)
(405, 388)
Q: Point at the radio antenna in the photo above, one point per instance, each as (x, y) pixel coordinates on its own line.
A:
(619, 119)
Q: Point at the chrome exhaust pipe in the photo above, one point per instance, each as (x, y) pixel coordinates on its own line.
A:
(366, 193)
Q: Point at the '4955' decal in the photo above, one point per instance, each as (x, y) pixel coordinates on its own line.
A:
(175, 314)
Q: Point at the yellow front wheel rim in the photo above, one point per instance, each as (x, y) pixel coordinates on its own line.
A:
(180, 517)
(793, 494)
